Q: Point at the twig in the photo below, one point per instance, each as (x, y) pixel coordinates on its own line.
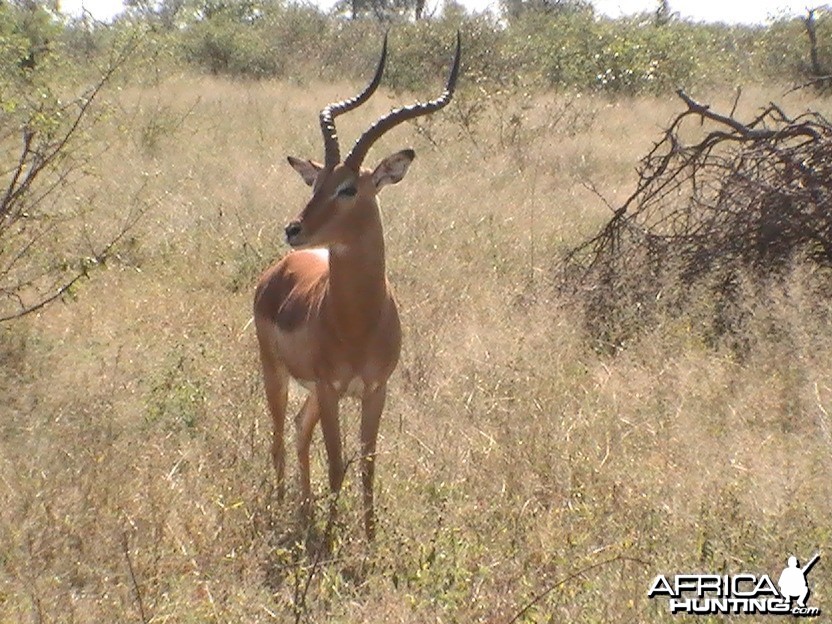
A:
(126, 548)
(571, 577)
(590, 186)
(820, 80)
(736, 101)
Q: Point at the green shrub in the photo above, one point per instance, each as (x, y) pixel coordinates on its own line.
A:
(224, 45)
(547, 44)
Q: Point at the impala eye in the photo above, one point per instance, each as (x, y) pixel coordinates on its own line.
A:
(348, 191)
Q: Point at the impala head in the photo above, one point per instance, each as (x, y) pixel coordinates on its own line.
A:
(343, 193)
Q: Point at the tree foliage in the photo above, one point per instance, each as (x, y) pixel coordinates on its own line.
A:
(515, 9)
(551, 43)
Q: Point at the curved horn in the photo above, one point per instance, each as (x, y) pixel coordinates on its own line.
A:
(394, 118)
(332, 153)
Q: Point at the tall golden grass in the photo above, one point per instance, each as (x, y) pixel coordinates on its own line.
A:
(134, 467)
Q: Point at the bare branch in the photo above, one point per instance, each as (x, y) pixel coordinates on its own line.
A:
(746, 196)
(48, 163)
(571, 577)
(125, 546)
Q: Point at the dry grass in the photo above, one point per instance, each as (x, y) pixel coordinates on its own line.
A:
(134, 469)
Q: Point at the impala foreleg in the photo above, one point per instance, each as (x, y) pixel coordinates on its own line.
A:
(305, 422)
(276, 382)
(372, 405)
(328, 412)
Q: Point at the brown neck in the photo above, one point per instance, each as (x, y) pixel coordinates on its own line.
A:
(357, 281)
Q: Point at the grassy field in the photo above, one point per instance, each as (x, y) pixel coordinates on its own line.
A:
(135, 477)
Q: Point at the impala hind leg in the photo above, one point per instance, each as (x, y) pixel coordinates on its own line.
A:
(372, 405)
(276, 384)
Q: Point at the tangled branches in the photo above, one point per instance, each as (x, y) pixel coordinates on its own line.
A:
(744, 199)
(50, 237)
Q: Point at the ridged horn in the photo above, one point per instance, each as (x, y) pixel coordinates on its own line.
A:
(400, 115)
(332, 153)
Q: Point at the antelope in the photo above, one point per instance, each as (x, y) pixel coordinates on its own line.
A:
(325, 314)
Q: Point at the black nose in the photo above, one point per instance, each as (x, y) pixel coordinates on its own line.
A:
(292, 230)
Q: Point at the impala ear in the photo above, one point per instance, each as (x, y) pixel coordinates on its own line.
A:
(307, 169)
(392, 169)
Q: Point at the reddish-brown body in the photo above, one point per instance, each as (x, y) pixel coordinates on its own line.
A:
(336, 347)
(325, 314)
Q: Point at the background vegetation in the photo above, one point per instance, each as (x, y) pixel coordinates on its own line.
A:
(134, 466)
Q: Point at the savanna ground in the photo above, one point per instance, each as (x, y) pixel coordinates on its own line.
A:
(134, 467)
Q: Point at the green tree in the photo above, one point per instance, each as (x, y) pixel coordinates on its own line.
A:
(514, 9)
(663, 14)
(384, 11)
(28, 31)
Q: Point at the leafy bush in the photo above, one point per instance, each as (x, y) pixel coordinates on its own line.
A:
(27, 33)
(295, 41)
(625, 56)
(561, 44)
(225, 44)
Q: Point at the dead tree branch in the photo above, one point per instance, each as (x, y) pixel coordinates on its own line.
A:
(750, 196)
